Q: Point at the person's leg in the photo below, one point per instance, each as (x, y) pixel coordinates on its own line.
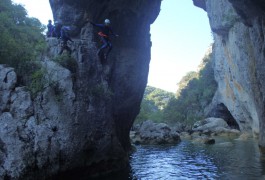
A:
(105, 44)
(63, 47)
(110, 48)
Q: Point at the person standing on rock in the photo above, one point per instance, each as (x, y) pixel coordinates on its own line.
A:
(104, 33)
(50, 28)
(65, 38)
(57, 30)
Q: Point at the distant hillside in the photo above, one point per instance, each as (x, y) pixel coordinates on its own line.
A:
(196, 90)
(154, 101)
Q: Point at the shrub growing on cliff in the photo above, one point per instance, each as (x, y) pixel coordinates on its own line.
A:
(35, 78)
(67, 62)
(21, 38)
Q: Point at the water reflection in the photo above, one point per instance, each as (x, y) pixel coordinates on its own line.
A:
(232, 160)
(229, 159)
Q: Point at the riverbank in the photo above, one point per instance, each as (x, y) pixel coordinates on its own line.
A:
(205, 131)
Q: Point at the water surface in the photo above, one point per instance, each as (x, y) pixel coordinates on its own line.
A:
(227, 159)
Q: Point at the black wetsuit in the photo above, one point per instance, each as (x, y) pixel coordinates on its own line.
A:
(65, 37)
(105, 32)
(50, 29)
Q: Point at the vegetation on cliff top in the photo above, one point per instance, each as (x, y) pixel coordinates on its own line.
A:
(22, 40)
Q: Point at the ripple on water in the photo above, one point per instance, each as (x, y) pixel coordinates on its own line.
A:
(233, 160)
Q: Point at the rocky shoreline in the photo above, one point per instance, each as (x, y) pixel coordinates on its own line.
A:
(205, 131)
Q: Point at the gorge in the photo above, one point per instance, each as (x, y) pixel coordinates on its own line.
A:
(83, 120)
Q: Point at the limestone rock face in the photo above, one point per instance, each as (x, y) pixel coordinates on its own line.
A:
(209, 124)
(239, 66)
(126, 71)
(216, 126)
(35, 133)
(82, 117)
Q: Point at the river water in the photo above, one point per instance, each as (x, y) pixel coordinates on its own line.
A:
(227, 159)
(223, 160)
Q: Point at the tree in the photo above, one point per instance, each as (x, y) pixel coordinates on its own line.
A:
(154, 101)
(196, 91)
(21, 37)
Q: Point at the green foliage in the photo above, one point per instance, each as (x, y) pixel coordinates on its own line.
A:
(67, 62)
(36, 81)
(22, 41)
(158, 96)
(196, 92)
(185, 80)
(154, 101)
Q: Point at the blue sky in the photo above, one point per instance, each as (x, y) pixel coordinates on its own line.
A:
(180, 37)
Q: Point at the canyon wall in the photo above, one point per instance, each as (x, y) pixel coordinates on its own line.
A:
(238, 30)
(80, 120)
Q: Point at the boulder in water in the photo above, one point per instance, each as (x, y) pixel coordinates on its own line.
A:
(151, 133)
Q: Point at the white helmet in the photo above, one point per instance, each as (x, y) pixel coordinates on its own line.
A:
(107, 21)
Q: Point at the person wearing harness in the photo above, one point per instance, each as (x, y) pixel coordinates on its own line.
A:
(104, 33)
(65, 38)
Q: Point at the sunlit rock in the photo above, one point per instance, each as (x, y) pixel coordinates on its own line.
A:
(209, 124)
(239, 61)
(244, 136)
(151, 133)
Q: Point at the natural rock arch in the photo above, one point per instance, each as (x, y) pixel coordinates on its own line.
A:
(90, 126)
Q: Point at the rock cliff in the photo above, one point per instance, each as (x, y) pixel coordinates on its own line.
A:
(238, 30)
(80, 121)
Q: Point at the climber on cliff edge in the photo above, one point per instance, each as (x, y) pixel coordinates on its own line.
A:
(64, 37)
(104, 33)
(50, 28)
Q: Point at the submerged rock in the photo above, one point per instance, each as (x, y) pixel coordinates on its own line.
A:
(151, 133)
(204, 140)
(244, 137)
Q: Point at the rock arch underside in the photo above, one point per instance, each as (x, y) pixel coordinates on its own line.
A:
(82, 123)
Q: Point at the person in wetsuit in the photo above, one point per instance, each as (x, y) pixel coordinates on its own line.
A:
(104, 33)
(57, 30)
(50, 28)
(65, 38)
